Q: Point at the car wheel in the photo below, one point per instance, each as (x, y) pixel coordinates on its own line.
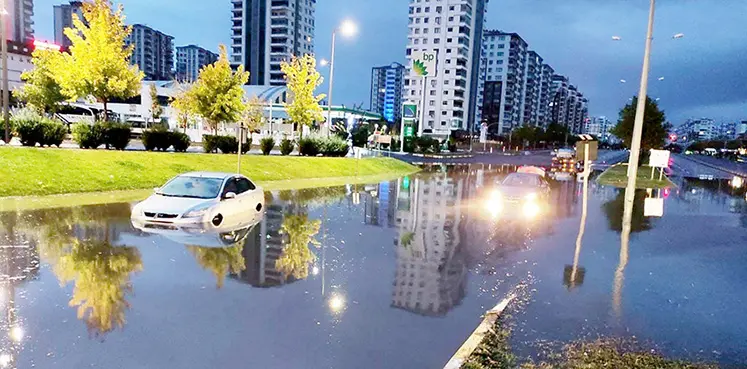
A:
(217, 220)
(259, 207)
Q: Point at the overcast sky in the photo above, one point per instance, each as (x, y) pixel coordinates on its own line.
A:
(705, 72)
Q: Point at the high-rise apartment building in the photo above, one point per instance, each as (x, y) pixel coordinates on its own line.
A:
(63, 18)
(504, 60)
(545, 95)
(20, 26)
(532, 89)
(599, 127)
(452, 29)
(386, 91)
(268, 32)
(153, 53)
(190, 59)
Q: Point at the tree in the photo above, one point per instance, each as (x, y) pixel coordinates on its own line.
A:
(98, 64)
(302, 79)
(41, 91)
(526, 133)
(556, 133)
(155, 107)
(655, 130)
(220, 261)
(253, 114)
(182, 105)
(296, 256)
(218, 94)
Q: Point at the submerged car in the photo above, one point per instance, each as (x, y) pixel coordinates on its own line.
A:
(217, 199)
(526, 190)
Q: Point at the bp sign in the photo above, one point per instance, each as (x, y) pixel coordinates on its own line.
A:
(424, 63)
(410, 111)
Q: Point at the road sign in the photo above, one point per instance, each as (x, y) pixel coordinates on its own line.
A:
(424, 63)
(653, 207)
(659, 159)
(582, 146)
(410, 110)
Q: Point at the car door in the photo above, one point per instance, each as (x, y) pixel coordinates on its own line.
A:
(250, 197)
(229, 207)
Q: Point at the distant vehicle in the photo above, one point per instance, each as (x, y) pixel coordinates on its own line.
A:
(742, 158)
(205, 198)
(527, 189)
(564, 160)
(710, 151)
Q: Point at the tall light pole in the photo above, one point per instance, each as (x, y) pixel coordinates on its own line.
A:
(6, 89)
(635, 146)
(348, 29)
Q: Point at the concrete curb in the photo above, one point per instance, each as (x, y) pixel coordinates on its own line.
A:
(474, 340)
(739, 174)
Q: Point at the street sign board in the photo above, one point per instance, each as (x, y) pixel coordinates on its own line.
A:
(659, 159)
(424, 63)
(410, 111)
(582, 146)
(409, 130)
(653, 207)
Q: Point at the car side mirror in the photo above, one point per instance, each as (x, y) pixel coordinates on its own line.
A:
(229, 195)
(156, 189)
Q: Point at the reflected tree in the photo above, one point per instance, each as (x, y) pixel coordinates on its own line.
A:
(296, 256)
(615, 208)
(100, 273)
(220, 260)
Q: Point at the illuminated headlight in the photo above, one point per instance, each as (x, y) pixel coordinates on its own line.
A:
(531, 197)
(494, 205)
(197, 213)
(531, 209)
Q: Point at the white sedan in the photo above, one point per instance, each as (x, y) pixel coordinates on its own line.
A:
(217, 199)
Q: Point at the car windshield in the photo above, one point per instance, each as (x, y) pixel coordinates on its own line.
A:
(192, 187)
(521, 180)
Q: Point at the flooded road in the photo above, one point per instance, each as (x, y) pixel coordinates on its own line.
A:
(392, 275)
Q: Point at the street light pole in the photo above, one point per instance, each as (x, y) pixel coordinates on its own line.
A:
(6, 89)
(635, 146)
(331, 80)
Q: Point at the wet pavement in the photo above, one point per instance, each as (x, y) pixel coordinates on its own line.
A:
(390, 275)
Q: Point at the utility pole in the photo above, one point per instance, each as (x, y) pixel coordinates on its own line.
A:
(635, 147)
(6, 89)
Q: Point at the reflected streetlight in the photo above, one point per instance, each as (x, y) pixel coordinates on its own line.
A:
(348, 29)
(5, 360)
(336, 303)
(16, 334)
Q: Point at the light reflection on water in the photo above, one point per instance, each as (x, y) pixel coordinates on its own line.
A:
(398, 267)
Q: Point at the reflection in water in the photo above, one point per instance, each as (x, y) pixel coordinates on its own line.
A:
(220, 260)
(101, 275)
(296, 256)
(575, 276)
(616, 208)
(627, 227)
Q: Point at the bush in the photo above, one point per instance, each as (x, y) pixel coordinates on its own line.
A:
(53, 133)
(210, 143)
(266, 144)
(180, 141)
(427, 145)
(310, 146)
(88, 136)
(33, 128)
(360, 136)
(156, 139)
(29, 131)
(228, 144)
(286, 147)
(116, 135)
(452, 144)
(334, 146)
(246, 146)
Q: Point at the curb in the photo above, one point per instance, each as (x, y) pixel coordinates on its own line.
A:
(738, 174)
(474, 340)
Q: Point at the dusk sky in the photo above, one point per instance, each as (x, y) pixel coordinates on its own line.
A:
(705, 72)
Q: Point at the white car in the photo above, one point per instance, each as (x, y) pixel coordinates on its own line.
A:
(217, 199)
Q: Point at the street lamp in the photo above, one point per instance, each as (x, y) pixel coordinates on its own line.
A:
(348, 29)
(6, 89)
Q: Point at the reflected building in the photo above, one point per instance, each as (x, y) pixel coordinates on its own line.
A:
(431, 271)
(380, 205)
(564, 199)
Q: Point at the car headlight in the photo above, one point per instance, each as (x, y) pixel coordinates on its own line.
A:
(531, 197)
(196, 213)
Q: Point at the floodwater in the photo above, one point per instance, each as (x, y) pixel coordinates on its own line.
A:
(389, 275)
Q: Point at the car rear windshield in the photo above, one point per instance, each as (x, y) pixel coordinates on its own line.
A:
(192, 187)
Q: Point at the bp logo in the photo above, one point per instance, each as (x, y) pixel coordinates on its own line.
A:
(424, 63)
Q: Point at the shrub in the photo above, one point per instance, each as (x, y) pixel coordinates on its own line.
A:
(228, 144)
(427, 145)
(452, 144)
(88, 136)
(53, 133)
(286, 147)
(360, 136)
(210, 143)
(116, 135)
(266, 144)
(29, 131)
(310, 146)
(180, 141)
(157, 139)
(334, 146)
(246, 146)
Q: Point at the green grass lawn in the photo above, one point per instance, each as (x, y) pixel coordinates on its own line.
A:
(36, 171)
(617, 176)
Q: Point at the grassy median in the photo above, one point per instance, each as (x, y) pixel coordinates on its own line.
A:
(617, 176)
(35, 171)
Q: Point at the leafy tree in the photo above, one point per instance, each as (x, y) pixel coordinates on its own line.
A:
(302, 79)
(183, 105)
(296, 256)
(655, 130)
(254, 114)
(526, 133)
(218, 96)
(155, 107)
(556, 133)
(41, 91)
(98, 64)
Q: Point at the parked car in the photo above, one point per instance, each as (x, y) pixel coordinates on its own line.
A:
(217, 199)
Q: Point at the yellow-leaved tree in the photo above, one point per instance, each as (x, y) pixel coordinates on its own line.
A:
(182, 104)
(218, 94)
(41, 91)
(98, 64)
(254, 114)
(302, 79)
